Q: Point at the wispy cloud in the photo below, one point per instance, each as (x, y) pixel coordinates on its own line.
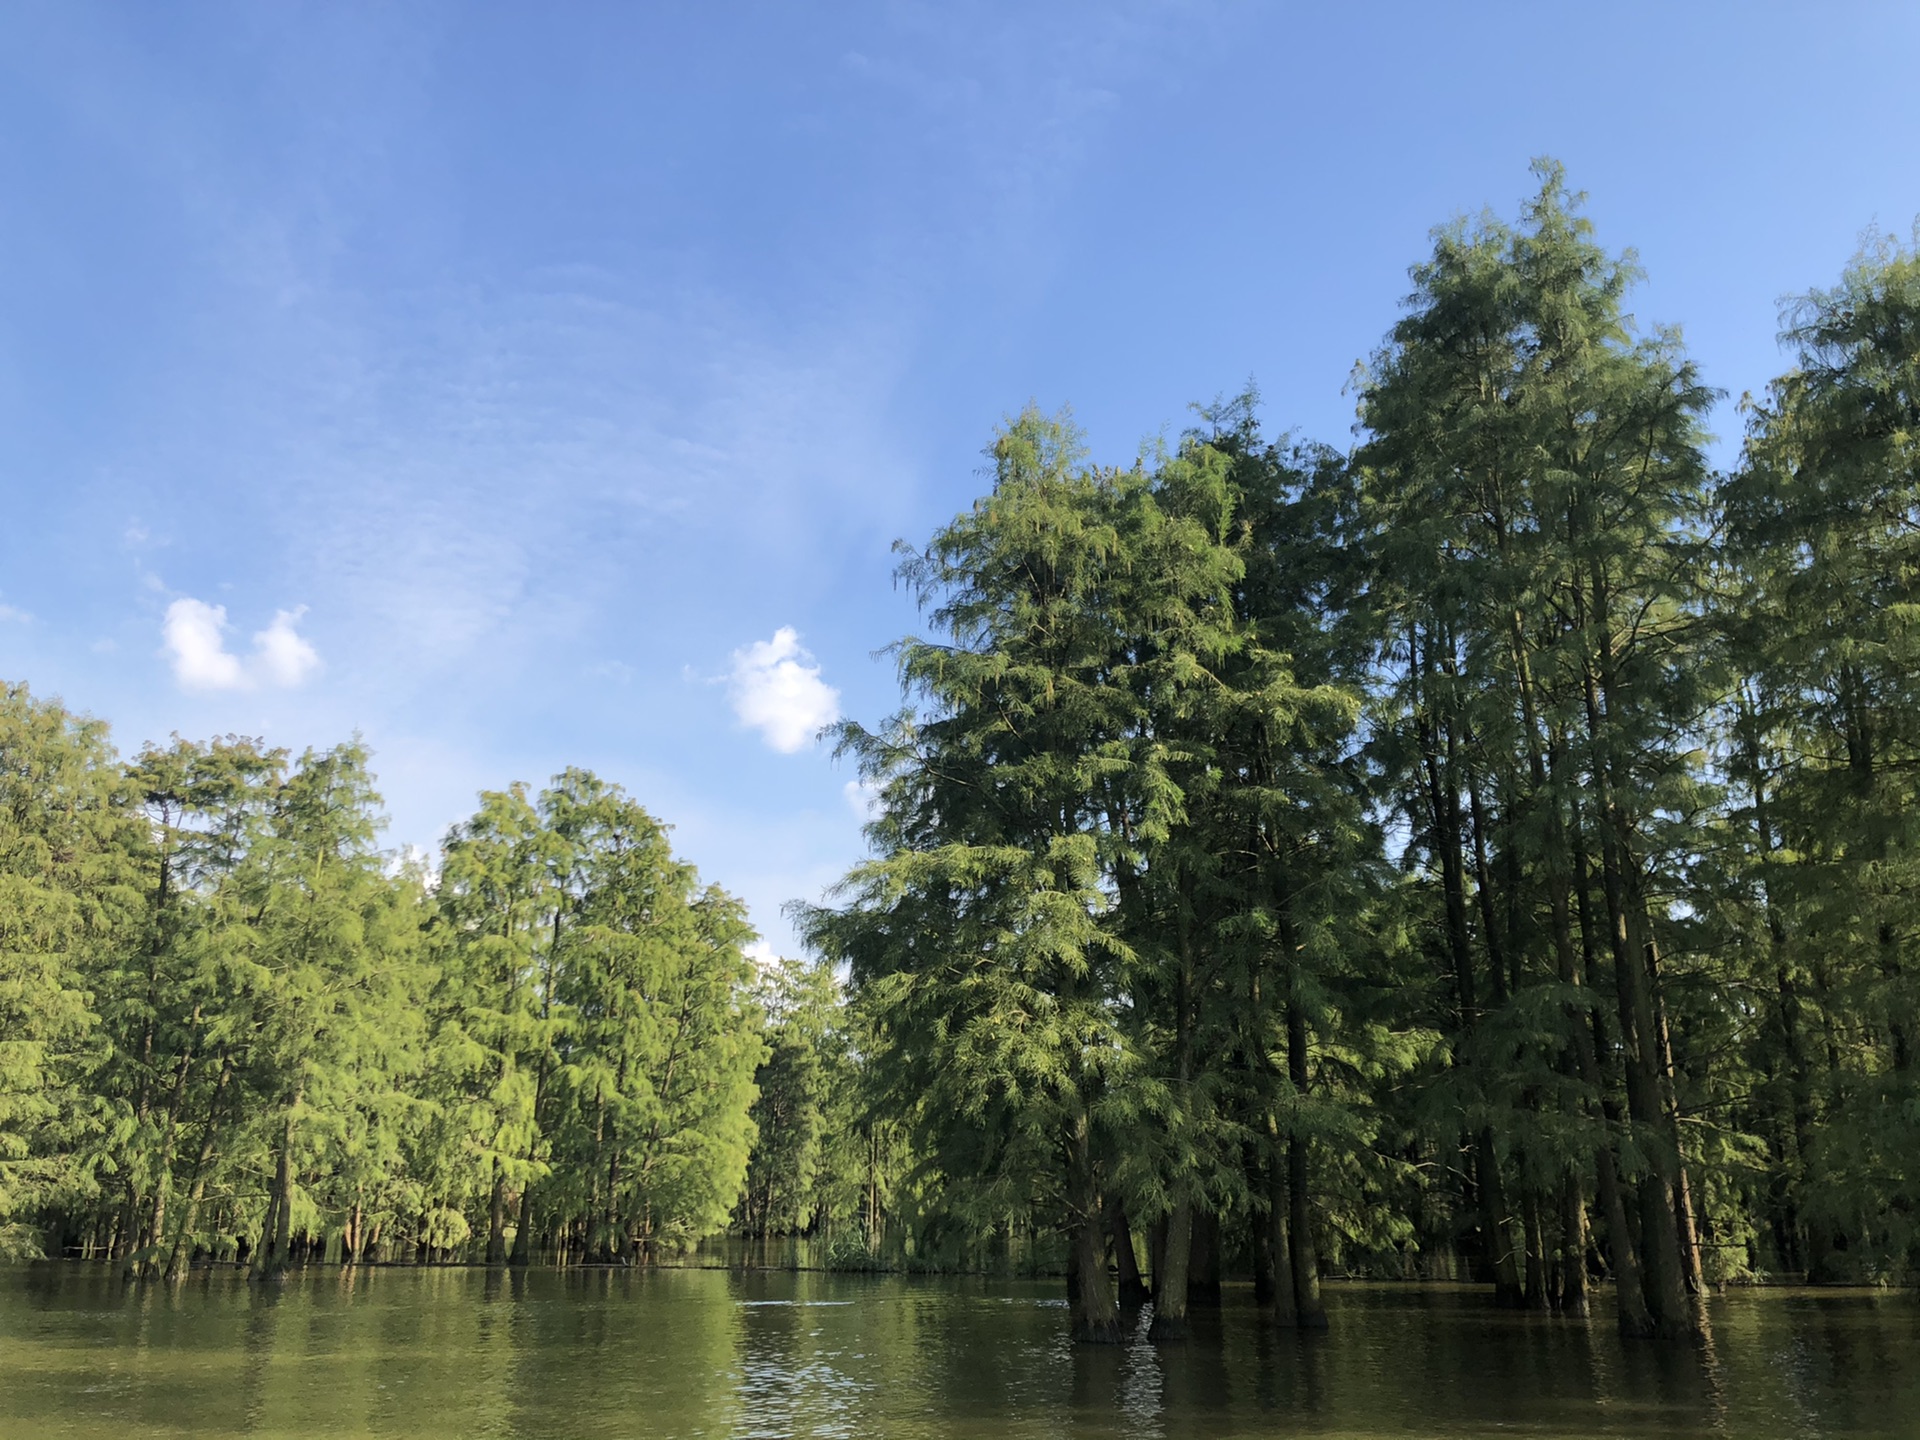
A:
(13, 615)
(863, 798)
(196, 643)
(776, 691)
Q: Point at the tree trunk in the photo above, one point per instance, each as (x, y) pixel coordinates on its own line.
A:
(1170, 1280)
(271, 1259)
(1285, 1312)
(197, 1189)
(1133, 1289)
(1203, 1269)
(1309, 1313)
(497, 1216)
(523, 1233)
(1095, 1318)
(269, 1227)
(1623, 1255)
(1573, 1248)
(1689, 1233)
(1496, 1224)
(1537, 1297)
(1257, 1232)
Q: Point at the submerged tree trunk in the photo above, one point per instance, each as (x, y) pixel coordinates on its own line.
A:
(1133, 1289)
(1538, 1296)
(1662, 1278)
(270, 1261)
(1095, 1317)
(1496, 1224)
(523, 1233)
(1278, 1246)
(1203, 1269)
(181, 1254)
(1309, 1313)
(1170, 1280)
(1573, 1248)
(497, 1216)
(1173, 1266)
(1257, 1233)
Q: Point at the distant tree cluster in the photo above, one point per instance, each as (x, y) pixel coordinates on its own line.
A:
(231, 1028)
(1493, 852)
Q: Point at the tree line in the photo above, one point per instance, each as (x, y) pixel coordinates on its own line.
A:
(1488, 852)
(231, 1028)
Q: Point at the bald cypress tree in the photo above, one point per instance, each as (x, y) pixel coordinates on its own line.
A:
(69, 916)
(1824, 535)
(1534, 485)
(983, 930)
(334, 971)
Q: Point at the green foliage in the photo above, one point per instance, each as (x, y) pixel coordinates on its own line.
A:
(1493, 852)
(1504, 835)
(68, 910)
(229, 1017)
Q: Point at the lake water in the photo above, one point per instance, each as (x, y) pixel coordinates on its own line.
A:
(671, 1353)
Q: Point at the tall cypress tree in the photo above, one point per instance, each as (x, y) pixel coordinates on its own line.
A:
(1824, 556)
(1534, 478)
(984, 930)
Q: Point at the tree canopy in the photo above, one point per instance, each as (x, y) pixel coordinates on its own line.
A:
(1489, 852)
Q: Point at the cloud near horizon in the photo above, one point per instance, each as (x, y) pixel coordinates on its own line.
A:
(196, 645)
(776, 691)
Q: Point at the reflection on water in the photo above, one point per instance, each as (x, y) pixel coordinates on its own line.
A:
(673, 1353)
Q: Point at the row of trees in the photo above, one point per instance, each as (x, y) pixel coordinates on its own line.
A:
(1488, 852)
(232, 1027)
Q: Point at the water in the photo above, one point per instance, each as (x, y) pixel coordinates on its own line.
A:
(673, 1353)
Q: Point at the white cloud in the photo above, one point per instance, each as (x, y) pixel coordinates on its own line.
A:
(281, 654)
(201, 660)
(12, 614)
(196, 643)
(762, 953)
(777, 692)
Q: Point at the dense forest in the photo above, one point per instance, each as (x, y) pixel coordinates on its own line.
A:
(1488, 852)
(237, 1030)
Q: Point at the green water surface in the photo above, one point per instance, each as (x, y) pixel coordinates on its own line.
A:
(669, 1353)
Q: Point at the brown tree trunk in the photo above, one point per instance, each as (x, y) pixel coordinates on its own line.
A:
(1662, 1276)
(1689, 1232)
(277, 1237)
(1285, 1311)
(1095, 1317)
(1309, 1313)
(1573, 1248)
(1170, 1280)
(1203, 1269)
(1133, 1289)
(1537, 1296)
(497, 1216)
(523, 1233)
(178, 1259)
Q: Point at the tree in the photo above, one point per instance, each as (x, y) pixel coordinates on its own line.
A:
(983, 930)
(69, 910)
(1534, 486)
(1823, 520)
(334, 968)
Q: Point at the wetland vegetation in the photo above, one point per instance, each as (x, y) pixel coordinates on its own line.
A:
(1486, 854)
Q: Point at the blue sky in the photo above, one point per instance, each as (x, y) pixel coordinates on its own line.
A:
(531, 385)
